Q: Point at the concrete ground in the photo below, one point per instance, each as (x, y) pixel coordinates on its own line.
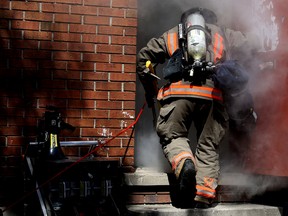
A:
(147, 177)
(222, 209)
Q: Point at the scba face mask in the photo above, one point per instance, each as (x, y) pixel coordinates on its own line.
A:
(196, 40)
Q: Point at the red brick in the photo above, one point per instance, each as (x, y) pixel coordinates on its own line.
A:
(125, 3)
(129, 68)
(82, 66)
(123, 58)
(25, 6)
(11, 130)
(10, 34)
(122, 114)
(160, 199)
(20, 121)
(95, 76)
(55, 8)
(110, 30)
(12, 112)
(95, 57)
(70, 151)
(101, 95)
(27, 25)
(120, 152)
(86, 85)
(84, 104)
(81, 47)
(51, 45)
(129, 104)
(131, 13)
(4, 24)
(72, 113)
(95, 114)
(41, 93)
(105, 86)
(34, 112)
(23, 44)
(69, 1)
(130, 50)
(5, 4)
(15, 102)
(67, 18)
(66, 94)
(109, 67)
(115, 142)
(35, 54)
(128, 141)
(123, 40)
(59, 103)
(130, 86)
(52, 84)
(36, 35)
(130, 31)
(56, 65)
(131, 22)
(103, 48)
(95, 20)
(108, 104)
(122, 95)
(10, 172)
(67, 37)
(81, 122)
(113, 12)
(60, 74)
(54, 27)
(97, 3)
(84, 10)
(128, 161)
(38, 16)
(11, 54)
(3, 101)
(111, 123)
(123, 77)
(136, 199)
(98, 39)
(69, 56)
(9, 14)
(52, 1)
(83, 29)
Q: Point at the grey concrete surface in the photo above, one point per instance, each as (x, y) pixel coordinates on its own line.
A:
(223, 209)
(144, 176)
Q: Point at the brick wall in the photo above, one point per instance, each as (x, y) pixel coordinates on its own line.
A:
(77, 55)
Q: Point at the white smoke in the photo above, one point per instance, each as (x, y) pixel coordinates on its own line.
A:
(253, 17)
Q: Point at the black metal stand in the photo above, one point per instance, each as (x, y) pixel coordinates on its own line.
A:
(84, 189)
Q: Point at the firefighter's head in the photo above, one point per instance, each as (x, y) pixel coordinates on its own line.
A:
(209, 16)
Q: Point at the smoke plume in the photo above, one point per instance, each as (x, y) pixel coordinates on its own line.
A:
(257, 19)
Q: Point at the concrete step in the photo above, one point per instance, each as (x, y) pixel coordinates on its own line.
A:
(222, 209)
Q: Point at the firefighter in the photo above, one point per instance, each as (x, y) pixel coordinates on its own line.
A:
(192, 48)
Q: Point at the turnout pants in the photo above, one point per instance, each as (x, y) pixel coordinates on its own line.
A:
(210, 121)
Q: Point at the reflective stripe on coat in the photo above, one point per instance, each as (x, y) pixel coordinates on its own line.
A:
(181, 88)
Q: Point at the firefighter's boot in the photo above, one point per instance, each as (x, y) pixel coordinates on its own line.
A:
(187, 184)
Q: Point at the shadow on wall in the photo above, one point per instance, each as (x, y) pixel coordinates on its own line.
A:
(29, 80)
